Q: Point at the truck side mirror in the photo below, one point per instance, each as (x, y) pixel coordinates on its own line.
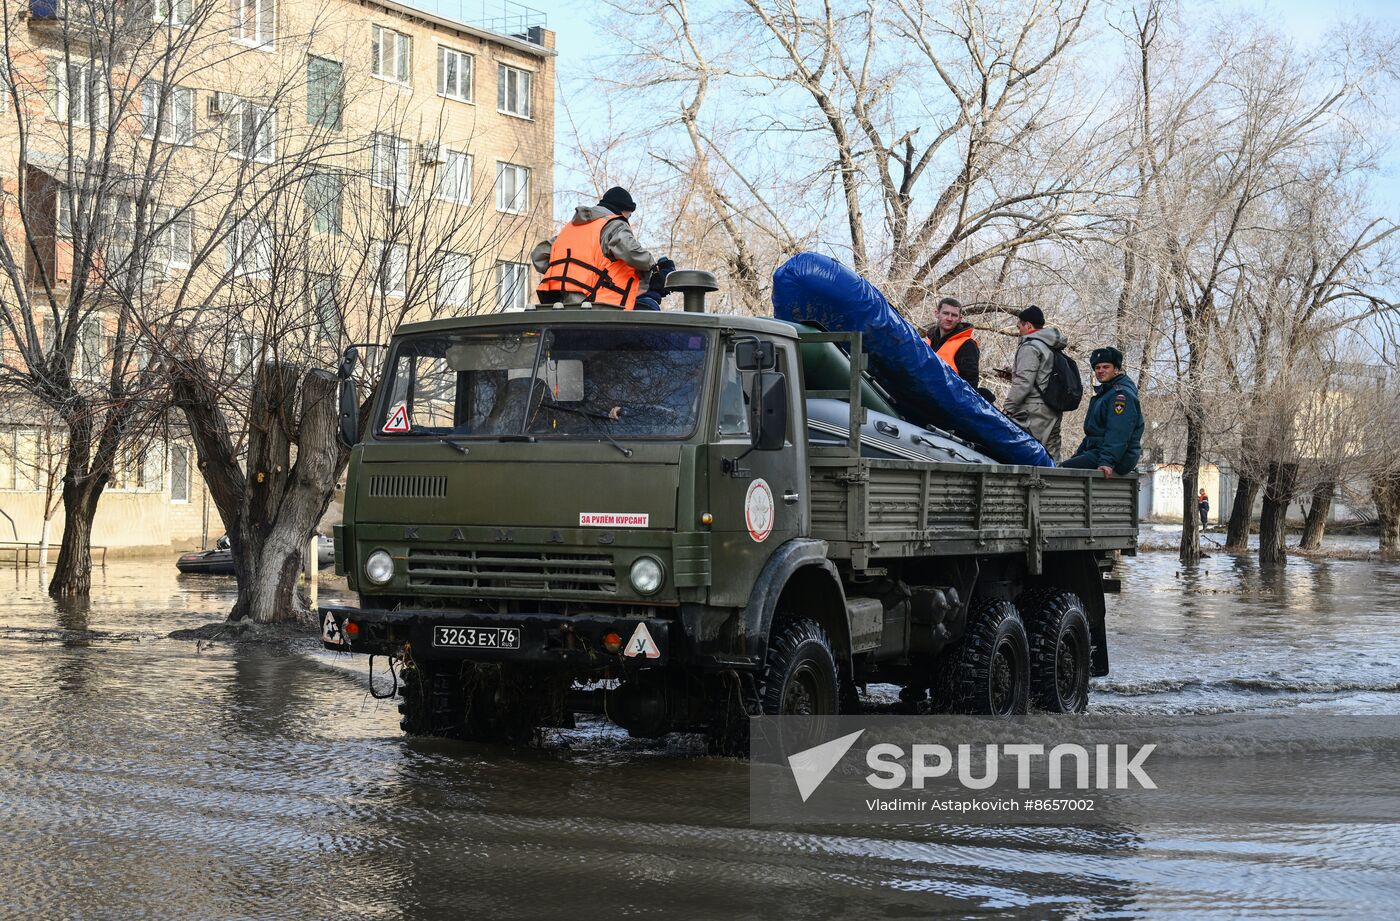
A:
(769, 417)
(349, 400)
(752, 354)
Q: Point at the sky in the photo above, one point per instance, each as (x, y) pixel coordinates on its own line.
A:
(582, 45)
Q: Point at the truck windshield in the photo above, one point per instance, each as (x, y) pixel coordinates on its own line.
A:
(582, 382)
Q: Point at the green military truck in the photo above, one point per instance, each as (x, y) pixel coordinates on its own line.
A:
(655, 517)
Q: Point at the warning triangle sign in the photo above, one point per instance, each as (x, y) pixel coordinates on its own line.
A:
(398, 419)
(641, 644)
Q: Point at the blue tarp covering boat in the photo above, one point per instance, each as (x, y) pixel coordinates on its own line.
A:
(811, 288)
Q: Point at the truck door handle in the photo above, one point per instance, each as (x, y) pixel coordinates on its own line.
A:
(791, 497)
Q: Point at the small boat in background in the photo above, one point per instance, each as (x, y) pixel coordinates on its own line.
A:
(219, 560)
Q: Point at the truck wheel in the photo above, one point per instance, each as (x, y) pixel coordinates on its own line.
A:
(987, 671)
(800, 678)
(1058, 629)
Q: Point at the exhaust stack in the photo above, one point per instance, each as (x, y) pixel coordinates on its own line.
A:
(693, 284)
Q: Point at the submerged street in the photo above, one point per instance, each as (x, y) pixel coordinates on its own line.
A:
(142, 773)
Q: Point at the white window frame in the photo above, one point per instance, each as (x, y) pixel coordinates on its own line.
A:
(172, 12)
(506, 74)
(399, 59)
(390, 264)
(389, 165)
(254, 23)
(248, 249)
(519, 202)
(453, 182)
(263, 119)
(512, 285)
(178, 126)
(455, 285)
(172, 243)
(466, 68)
(62, 76)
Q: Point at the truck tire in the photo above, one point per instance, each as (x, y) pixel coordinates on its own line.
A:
(1061, 650)
(987, 672)
(800, 678)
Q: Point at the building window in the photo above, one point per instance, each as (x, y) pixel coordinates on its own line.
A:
(390, 54)
(76, 92)
(9, 459)
(172, 241)
(252, 132)
(456, 289)
(454, 178)
(173, 110)
(455, 73)
(249, 248)
(325, 309)
(254, 21)
(512, 188)
(90, 349)
(513, 90)
(172, 12)
(512, 279)
(389, 165)
(391, 267)
(323, 93)
(179, 473)
(323, 198)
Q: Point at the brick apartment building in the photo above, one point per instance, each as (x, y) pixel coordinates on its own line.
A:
(400, 104)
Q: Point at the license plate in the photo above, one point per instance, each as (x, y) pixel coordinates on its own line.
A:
(477, 637)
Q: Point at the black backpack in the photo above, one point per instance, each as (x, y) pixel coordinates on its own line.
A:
(1064, 388)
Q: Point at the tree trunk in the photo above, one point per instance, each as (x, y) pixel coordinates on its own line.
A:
(1273, 520)
(270, 510)
(1316, 524)
(1241, 511)
(72, 574)
(1385, 490)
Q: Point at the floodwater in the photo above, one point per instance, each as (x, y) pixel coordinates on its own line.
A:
(146, 777)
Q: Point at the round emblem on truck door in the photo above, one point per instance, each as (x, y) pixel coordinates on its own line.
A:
(759, 510)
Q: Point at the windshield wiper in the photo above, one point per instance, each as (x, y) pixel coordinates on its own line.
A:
(459, 448)
(594, 418)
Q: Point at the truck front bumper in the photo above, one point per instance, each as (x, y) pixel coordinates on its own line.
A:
(576, 640)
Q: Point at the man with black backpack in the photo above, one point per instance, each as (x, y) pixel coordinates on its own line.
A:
(1045, 383)
(1113, 426)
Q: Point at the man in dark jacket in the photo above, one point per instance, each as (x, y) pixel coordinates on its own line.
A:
(953, 341)
(1113, 426)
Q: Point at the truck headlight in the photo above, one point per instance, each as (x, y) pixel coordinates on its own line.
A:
(379, 568)
(647, 575)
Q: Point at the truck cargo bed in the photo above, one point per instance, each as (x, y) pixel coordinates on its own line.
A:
(873, 508)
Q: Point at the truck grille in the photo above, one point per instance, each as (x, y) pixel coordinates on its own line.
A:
(408, 487)
(512, 572)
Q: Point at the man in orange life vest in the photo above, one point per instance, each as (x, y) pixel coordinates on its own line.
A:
(952, 339)
(596, 255)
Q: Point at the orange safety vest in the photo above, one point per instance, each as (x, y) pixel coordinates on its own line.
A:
(949, 349)
(577, 263)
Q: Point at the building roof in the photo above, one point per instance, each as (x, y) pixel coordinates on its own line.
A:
(443, 22)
